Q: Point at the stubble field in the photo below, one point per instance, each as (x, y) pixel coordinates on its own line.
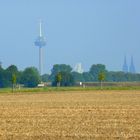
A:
(99, 115)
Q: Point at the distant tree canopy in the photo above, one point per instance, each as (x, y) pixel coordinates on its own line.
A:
(65, 72)
(3, 80)
(78, 77)
(6, 75)
(45, 78)
(64, 78)
(96, 69)
(30, 76)
(88, 77)
(59, 68)
(12, 69)
(101, 76)
(97, 72)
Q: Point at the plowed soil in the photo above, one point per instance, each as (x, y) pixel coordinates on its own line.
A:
(99, 115)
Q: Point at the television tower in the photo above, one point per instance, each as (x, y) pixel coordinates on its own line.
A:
(40, 42)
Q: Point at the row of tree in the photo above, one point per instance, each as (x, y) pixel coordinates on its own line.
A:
(12, 76)
(61, 75)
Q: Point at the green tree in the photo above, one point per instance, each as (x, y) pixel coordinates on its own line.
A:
(87, 77)
(3, 80)
(96, 69)
(30, 77)
(14, 80)
(58, 79)
(78, 77)
(10, 71)
(45, 78)
(59, 68)
(118, 76)
(101, 77)
(66, 79)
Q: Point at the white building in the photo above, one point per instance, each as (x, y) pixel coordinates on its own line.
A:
(78, 68)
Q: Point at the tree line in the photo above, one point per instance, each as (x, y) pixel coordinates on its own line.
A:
(11, 76)
(62, 75)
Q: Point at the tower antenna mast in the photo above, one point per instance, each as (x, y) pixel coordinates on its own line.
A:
(40, 29)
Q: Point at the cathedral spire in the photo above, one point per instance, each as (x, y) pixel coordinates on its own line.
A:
(132, 67)
(125, 67)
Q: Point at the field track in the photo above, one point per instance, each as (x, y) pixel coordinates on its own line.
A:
(95, 115)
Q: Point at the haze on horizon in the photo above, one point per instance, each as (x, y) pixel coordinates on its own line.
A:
(86, 31)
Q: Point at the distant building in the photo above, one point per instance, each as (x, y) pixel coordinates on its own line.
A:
(125, 66)
(78, 68)
(132, 66)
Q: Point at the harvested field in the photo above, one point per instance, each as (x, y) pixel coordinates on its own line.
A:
(99, 115)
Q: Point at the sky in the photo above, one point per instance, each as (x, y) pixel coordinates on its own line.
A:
(86, 31)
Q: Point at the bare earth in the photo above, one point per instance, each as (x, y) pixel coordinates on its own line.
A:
(95, 115)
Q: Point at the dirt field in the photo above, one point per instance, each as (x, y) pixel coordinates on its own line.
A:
(95, 115)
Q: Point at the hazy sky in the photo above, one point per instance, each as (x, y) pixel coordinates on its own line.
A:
(86, 31)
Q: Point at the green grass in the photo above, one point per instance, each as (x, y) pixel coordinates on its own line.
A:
(51, 89)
